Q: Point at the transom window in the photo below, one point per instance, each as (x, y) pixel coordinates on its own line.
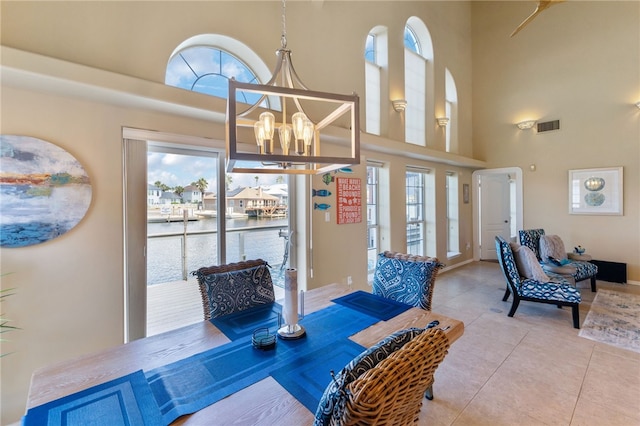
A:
(208, 70)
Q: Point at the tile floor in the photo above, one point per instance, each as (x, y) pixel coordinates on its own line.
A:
(532, 369)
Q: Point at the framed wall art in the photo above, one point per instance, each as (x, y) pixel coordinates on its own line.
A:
(596, 191)
(44, 191)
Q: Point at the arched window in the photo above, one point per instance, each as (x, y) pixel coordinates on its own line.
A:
(205, 63)
(451, 111)
(418, 80)
(375, 61)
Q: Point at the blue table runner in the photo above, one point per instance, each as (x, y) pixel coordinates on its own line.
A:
(372, 304)
(124, 401)
(243, 323)
(191, 384)
(301, 366)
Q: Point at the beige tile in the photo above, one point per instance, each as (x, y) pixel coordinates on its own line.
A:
(614, 382)
(592, 413)
(509, 395)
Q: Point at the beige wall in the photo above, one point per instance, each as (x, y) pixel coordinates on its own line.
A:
(578, 62)
(70, 290)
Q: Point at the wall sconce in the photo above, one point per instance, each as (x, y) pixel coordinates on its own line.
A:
(399, 105)
(638, 104)
(527, 124)
(442, 121)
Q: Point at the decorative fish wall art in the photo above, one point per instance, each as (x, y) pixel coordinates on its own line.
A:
(321, 192)
(327, 178)
(321, 206)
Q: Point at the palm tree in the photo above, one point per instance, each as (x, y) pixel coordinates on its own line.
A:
(228, 179)
(161, 185)
(202, 185)
(257, 178)
(280, 179)
(178, 190)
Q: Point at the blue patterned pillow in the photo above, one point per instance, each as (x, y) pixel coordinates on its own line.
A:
(235, 291)
(405, 281)
(333, 400)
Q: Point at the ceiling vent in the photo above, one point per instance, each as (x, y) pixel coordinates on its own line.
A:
(548, 126)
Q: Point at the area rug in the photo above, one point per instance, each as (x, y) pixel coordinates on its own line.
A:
(614, 319)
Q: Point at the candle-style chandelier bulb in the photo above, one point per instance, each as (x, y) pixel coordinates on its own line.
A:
(284, 132)
(309, 130)
(297, 120)
(258, 130)
(268, 121)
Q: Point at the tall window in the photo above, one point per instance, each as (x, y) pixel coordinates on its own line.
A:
(418, 53)
(373, 214)
(453, 223)
(416, 219)
(451, 111)
(414, 89)
(375, 58)
(421, 212)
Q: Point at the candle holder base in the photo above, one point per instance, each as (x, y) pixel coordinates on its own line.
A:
(291, 332)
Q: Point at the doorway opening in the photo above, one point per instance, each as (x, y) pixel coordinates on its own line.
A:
(497, 210)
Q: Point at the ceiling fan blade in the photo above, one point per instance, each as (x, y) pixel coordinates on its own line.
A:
(542, 5)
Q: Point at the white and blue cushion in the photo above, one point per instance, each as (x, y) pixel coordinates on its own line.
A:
(558, 292)
(405, 278)
(551, 245)
(236, 290)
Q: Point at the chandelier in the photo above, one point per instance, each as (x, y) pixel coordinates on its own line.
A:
(268, 129)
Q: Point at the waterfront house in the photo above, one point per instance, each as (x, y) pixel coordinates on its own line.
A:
(251, 201)
(191, 194)
(153, 195)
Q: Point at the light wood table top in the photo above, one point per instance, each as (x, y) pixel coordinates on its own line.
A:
(263, 403)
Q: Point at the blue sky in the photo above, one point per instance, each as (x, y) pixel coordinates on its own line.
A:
(175, 169)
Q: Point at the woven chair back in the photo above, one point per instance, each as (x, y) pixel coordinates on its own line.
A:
(392, 392)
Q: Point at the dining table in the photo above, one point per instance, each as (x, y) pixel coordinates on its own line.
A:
(265, 402)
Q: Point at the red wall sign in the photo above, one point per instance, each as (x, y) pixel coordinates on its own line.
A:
(349, 198)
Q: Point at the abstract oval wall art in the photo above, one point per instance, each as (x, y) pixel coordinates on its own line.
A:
(44, 191)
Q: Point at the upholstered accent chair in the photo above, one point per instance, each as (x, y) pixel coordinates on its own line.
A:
(570, 265)
(406, 278)
(559, 292)
(234, 287)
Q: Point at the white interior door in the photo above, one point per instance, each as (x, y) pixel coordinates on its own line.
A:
(495, 211)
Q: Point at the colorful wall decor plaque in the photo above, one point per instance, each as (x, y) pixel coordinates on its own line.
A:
(349, 198)
(44, 191)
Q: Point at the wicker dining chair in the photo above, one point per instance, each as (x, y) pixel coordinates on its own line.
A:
(234, 287)
(391, 393)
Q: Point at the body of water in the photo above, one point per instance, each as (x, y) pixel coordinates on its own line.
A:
(246, 239)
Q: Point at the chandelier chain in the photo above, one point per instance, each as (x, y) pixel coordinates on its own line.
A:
(283, 37)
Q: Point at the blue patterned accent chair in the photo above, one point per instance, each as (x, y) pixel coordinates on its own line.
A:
(406, 278)
(528, 289)
(234, 287)
(551, 245)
